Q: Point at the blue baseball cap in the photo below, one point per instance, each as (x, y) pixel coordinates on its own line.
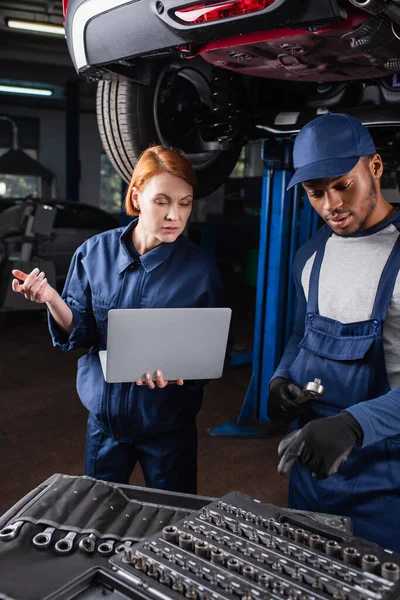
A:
(329, 146)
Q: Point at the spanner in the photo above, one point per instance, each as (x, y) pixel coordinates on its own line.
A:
(106, 548)
(65, 545)
(43, 540)
(88, 543)
(122, 547)
(11, 531)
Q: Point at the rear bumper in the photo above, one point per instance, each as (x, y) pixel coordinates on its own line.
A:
(100, 32)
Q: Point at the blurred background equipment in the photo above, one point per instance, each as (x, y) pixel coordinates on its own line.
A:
(24, 233)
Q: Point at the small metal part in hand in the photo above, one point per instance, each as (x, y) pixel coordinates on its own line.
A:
(313, 390)
(10, 531)
(43, 540)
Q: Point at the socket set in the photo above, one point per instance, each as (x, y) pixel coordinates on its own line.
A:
(239, 548)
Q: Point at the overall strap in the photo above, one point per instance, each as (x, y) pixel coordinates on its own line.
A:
(387, 281)
(312, 304)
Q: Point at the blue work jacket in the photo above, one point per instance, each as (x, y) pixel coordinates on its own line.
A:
(103, 275)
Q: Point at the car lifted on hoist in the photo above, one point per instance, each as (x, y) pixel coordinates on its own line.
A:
(206, 77)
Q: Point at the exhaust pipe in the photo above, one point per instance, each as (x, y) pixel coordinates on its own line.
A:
(389, 8)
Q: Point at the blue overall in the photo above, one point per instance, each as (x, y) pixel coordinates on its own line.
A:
(129, 423)
(349, 358)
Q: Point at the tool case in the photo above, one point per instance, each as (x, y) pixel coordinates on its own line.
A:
(78, 507)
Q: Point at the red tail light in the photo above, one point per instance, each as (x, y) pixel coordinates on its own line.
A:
(203, 12)
(65, 6)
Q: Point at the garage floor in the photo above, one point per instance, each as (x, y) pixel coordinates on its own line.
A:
(42, 423)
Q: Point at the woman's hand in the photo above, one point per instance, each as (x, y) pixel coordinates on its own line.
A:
(35, 286)
(159, 382)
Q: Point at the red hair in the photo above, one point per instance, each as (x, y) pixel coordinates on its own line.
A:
(154, 161)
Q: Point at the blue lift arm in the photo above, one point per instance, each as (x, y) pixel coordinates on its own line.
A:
(287, 221)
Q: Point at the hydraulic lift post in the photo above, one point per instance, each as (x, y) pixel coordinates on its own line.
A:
(287, 220)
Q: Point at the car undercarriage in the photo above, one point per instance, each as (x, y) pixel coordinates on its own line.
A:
(208, 77)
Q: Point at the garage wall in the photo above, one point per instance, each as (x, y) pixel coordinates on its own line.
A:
(52, 149)
(90, 150)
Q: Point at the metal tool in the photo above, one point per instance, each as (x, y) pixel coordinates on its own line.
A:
(314, 390)
(121, 547)
(106, 548)
(88, 543)
(276, 552)
(11, 531)
(43, 540)
(65, 545)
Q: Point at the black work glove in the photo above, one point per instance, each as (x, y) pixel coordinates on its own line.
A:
(286, 400)
(323, 445)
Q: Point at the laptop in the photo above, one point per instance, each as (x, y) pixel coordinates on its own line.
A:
(187, 343)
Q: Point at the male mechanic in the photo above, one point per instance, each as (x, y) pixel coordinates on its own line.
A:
(345, 451)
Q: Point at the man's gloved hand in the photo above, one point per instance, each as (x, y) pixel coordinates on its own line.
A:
(323, 445)
(286, 400)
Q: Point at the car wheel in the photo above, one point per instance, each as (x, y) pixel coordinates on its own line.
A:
(177, 110)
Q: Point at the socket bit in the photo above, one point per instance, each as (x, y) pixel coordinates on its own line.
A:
(271, 542)
(370, 563)
(217, 556)
(213, 578)
(248, 572)
(390, 571)
(349, 555)
(164, 578)
(277, 588)
(205, 514)
(299, 535)
(128, 556)
(185, 541)
(140, 563)
(314, 541)
(253, 536)
(247, 550)
(177, 584)
(170, 533)
(233, 564)
(277, 566)
(191, 592)
(201, 548)
(317, 584)
(331, 548)
(263, 579)
(152, 571)
(313, 390)
(285, 529)
(237, 528)
(296, 575)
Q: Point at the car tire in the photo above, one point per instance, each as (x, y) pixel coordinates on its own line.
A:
(126, 121)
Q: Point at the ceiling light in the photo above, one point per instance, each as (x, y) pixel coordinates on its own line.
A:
(35, 27)
(14, 89)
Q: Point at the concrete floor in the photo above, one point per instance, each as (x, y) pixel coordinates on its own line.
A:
(42, 422)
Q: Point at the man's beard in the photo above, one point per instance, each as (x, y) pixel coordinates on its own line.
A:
(370, 203)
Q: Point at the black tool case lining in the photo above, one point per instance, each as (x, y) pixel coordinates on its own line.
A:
(28, 573)
(86, 505)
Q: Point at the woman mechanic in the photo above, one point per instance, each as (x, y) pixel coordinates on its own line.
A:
(147, 264)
